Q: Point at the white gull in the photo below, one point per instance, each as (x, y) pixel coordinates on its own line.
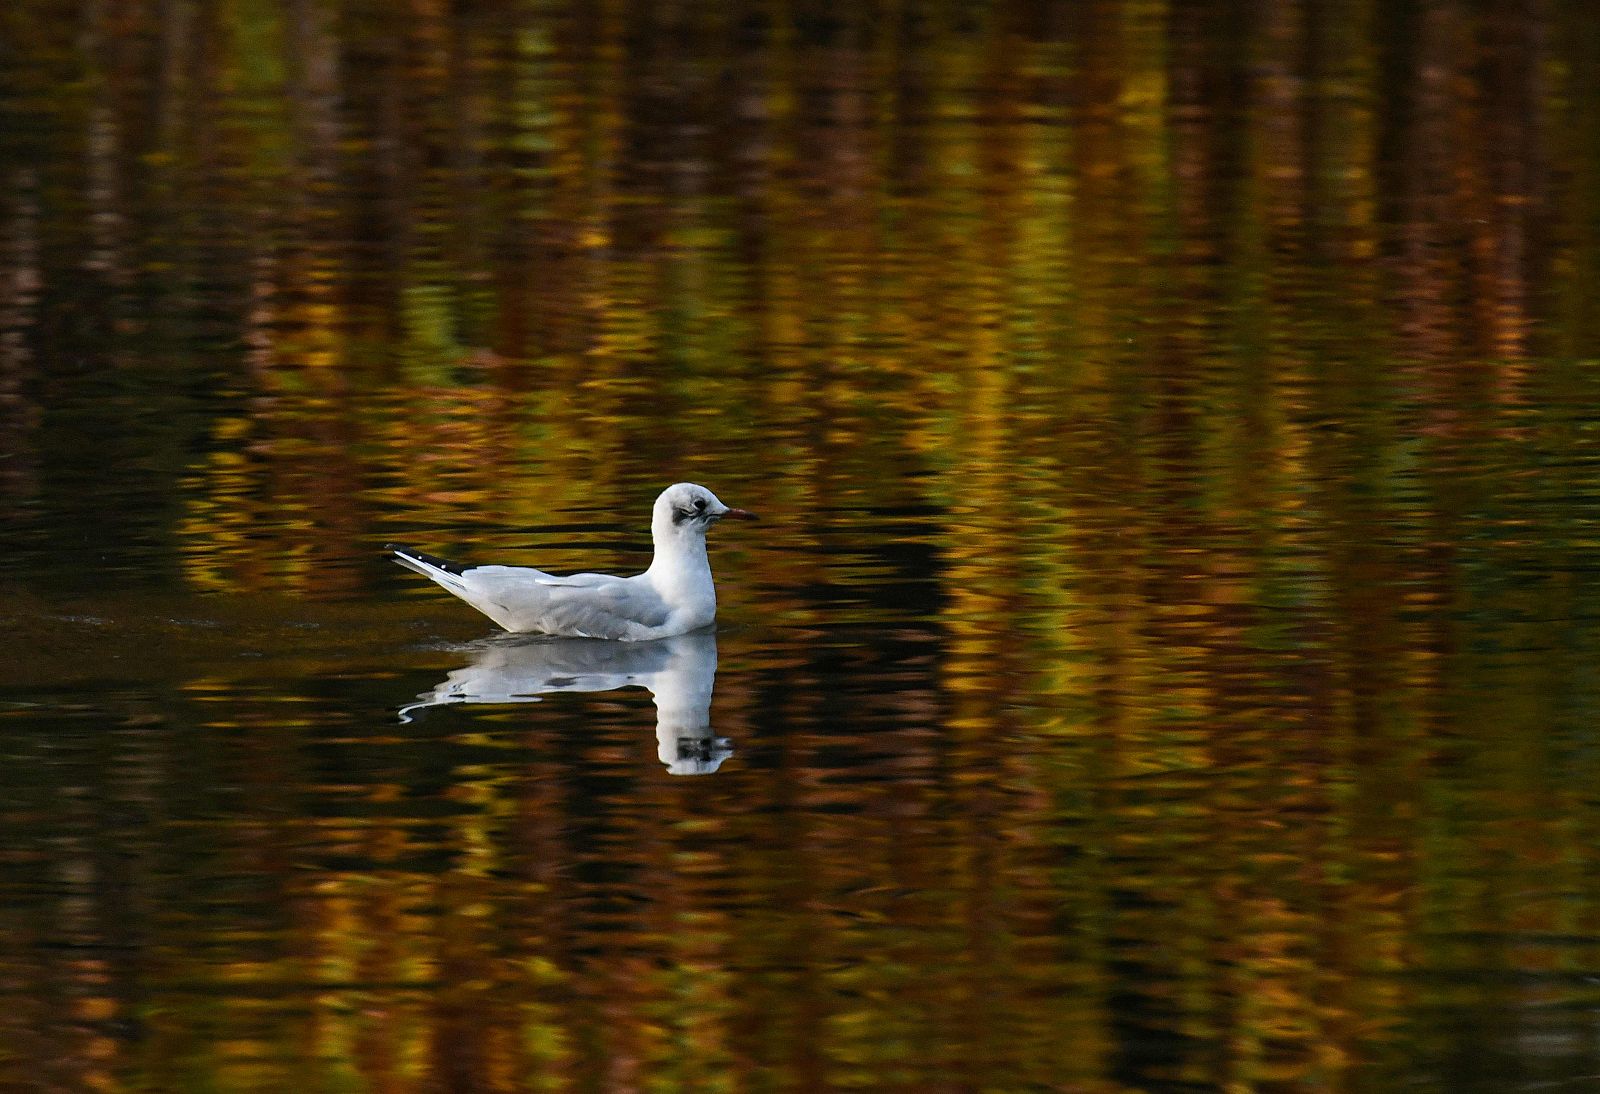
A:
(674, 596)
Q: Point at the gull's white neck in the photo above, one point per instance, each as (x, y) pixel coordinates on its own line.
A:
(680, 571)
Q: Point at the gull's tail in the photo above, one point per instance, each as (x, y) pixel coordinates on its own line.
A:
(442, 570)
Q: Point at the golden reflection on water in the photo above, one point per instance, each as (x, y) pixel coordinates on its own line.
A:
(1164, 663)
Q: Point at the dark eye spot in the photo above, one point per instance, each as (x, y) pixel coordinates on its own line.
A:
(699, 505)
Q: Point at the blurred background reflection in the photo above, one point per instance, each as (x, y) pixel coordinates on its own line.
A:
(1167, 661)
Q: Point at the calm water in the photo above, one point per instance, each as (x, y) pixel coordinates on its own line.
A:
(1169, 659)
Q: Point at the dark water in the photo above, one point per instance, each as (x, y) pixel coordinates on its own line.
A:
(1167, 661)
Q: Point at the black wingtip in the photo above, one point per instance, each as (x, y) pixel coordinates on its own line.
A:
(432, 560)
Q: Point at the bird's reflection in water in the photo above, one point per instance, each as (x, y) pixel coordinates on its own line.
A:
(679, 672)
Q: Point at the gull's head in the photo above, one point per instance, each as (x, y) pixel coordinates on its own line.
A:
(685, 507)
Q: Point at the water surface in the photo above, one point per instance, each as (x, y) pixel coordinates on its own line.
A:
(1166, 661)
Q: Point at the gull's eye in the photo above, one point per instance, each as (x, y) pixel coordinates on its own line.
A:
(699, 505)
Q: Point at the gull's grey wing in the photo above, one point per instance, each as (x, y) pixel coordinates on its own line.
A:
(585, 605)
(577, 581)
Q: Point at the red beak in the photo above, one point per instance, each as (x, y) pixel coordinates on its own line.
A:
(739, 514)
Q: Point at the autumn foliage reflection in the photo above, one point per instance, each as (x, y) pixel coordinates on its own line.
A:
(1165, 663)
